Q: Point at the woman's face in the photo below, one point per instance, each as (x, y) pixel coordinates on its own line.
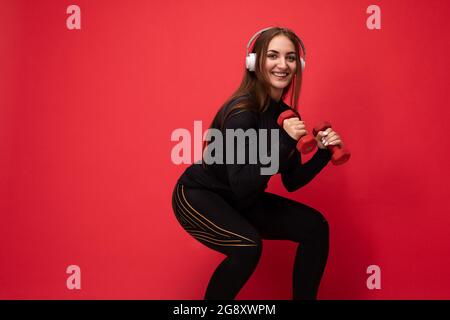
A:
(280, 64)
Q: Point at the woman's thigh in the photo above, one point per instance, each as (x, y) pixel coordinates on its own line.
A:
(212, 221)
(279, 218)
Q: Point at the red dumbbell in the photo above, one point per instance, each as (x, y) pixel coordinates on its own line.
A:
(340, 155)
(306, 143)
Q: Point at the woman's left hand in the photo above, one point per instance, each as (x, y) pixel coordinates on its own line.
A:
(327, 138)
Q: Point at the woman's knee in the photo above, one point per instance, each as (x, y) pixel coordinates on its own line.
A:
(315, 227)
(321, 226)
(322, 221)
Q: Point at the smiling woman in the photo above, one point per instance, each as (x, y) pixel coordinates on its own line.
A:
(225, 205)
(281, 64)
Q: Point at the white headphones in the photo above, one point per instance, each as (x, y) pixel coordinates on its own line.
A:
(250, 60)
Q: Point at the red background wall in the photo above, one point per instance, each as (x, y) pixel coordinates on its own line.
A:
(86, 118)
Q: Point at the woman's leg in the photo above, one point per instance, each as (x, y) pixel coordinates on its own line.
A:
(213, 222)
(279, 218)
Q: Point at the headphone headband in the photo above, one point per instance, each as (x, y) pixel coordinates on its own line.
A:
(265, 29)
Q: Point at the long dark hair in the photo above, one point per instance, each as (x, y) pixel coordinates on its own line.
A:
(253, 94)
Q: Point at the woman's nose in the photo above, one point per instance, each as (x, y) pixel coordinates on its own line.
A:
(282, 63)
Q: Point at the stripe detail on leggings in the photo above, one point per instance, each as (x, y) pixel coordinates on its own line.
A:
(203, 229)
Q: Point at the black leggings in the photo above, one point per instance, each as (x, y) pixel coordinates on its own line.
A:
(212, 221)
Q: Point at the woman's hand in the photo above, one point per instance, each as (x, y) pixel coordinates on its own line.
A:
(294, 128)
(327, 138)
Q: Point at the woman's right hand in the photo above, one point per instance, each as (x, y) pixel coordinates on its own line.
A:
(295, 128)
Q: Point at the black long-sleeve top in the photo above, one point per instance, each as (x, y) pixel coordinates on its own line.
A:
(240, 184)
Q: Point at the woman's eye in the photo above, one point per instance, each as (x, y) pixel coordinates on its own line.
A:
(290, 58)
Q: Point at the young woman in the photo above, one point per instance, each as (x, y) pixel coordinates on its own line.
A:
(225, 206)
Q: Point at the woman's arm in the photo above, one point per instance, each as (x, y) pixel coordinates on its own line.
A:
(299, 175)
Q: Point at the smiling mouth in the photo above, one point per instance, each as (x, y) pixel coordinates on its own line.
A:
(280, 75)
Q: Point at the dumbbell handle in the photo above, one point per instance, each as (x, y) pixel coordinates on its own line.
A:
(306, 143)
(339, 155)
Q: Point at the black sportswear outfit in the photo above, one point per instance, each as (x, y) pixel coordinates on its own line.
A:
(225, 207)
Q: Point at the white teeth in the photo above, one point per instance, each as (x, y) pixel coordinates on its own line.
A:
(280, 74)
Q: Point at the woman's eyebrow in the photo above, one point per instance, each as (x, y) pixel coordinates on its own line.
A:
(278, 52)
